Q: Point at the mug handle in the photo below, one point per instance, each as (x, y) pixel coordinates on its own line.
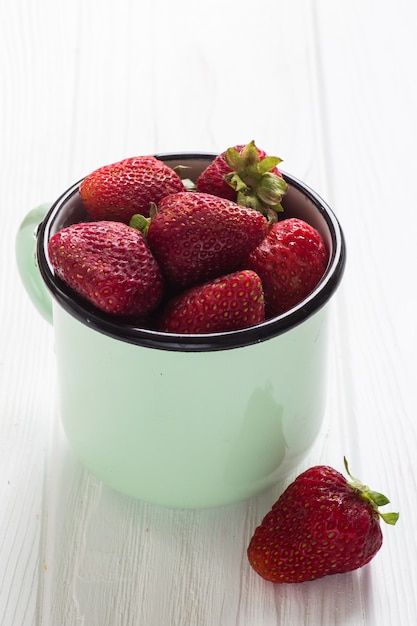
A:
(25, 248)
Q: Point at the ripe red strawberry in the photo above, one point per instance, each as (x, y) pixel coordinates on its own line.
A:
(246, 175)
(117, 191)
(109, 264)
(196, 236)
(227, 303)
(320, 525)
(290, 262)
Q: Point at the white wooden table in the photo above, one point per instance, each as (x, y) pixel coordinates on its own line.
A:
(331, 88)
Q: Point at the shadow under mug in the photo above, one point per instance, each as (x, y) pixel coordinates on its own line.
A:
(186, 420)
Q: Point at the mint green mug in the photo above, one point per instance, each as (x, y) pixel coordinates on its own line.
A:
(186, 420)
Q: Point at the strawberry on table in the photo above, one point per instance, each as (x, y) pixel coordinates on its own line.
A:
(320, 525)
(227, 303)
(110, 265)
(247, 175)
(198, 236)
(115, 192)
(290, 261)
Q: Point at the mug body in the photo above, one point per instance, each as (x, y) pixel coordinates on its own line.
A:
(197, 420)
(191, 429)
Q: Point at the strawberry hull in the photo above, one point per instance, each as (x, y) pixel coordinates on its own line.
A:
(191, 420)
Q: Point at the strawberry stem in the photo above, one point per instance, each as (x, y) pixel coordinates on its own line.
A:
(257, 187)
(189, 184)
(374, 498)
(140, 222)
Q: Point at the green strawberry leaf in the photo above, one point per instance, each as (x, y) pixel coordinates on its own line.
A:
(250, 154)
(374, 498)
(378, 498)
(390, 518)
(189, 184)
(268, 163)
(271, 189)
(236, 182)
(234, 159)
(249, 201)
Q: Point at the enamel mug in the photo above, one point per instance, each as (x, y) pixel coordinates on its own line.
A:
(186, 420)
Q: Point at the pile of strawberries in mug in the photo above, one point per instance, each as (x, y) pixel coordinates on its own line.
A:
(214, 256)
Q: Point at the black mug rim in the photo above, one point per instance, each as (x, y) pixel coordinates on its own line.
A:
(108, 325)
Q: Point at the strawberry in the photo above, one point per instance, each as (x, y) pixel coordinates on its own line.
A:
(110, 265)
(246, 175)
(320, 525)
(290, 262)
(227, 303)
(115, 192)
(196, 237)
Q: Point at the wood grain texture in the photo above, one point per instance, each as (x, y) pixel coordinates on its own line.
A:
(329, 88)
